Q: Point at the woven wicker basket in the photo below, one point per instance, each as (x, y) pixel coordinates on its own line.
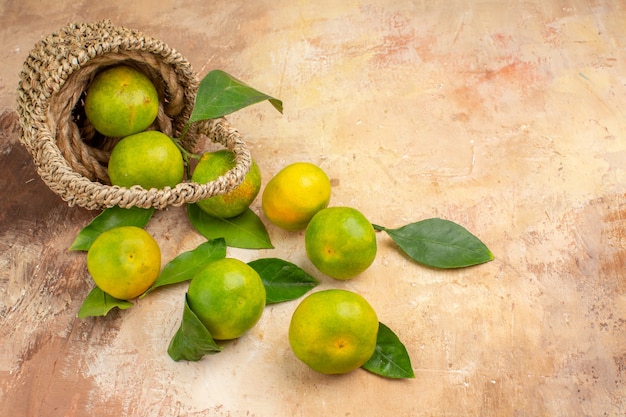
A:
(70, 156)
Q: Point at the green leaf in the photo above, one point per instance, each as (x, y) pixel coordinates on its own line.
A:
(192, 340)
(245, 231)
(283, 280)
(184, 266)
(439, 243)
(390, 358)
(108, 219)
(220, 94)
(99, 303)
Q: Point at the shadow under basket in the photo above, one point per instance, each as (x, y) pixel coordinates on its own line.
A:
(70, 156)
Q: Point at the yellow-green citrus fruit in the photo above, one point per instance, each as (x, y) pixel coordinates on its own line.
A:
(124, 261)
(228, 296)
(121, 101)
(293, 196)
(211, 166)
(333, 331)
(340, 242)
(150, 159)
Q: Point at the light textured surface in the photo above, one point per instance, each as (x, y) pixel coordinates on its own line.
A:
(506, 117)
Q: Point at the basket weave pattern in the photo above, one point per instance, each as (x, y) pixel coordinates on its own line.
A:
(70, 156)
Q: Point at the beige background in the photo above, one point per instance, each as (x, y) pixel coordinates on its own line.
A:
(507, 117)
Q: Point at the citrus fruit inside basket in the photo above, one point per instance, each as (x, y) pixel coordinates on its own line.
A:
(150, 159)
(214, 164)
(124, 261)
(333, 331)
(121, 101)
(228, 296)
(340, 242)
(295, 194)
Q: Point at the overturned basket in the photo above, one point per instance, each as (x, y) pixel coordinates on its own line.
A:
(70, 156)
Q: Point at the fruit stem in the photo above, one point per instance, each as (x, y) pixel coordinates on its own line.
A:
(185, 153)
(379, 228)
(184, 132)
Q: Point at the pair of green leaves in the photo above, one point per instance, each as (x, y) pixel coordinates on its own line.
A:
(97, 302)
